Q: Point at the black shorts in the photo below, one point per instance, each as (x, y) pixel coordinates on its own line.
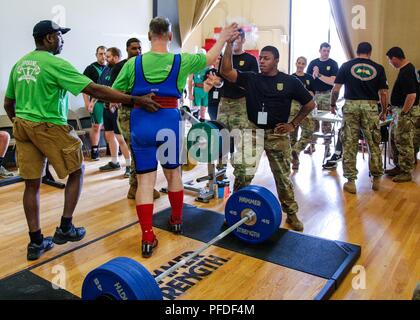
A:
(110, 121)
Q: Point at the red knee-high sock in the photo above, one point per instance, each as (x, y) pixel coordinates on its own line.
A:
(145, 214)
(177, 203)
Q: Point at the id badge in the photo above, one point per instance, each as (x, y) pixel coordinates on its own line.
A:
(262, 118)
(216, 95)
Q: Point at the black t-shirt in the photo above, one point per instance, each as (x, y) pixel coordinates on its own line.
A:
(105, 78)
(94, 71)
(117, 69)
(327, 68)
(274, 94)
(362, 79)
(246, 63)
(407, 83)
(307, 81)
(214, 92)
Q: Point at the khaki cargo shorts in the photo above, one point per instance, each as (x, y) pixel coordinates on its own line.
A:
(37, 142)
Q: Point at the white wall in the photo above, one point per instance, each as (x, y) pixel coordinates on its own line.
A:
(195, 41)
(93, 23)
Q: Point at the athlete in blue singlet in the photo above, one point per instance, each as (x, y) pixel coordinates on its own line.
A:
(165, 75)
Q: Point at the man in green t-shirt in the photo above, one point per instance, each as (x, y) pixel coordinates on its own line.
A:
(95, 108)
(165, 73)
(198, 97)
(36, 102)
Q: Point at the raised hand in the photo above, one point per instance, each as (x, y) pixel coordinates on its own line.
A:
(230, 32)
(214, 79)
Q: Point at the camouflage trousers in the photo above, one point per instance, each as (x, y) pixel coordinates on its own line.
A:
(416, 115)
(124, 115)
(279, 154)
(233, 114)
(307, 130)
(403, 138)
(323, 101)
(361, 115)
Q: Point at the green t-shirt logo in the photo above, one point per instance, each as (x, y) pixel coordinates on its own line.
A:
(28, 71)
(364, 72)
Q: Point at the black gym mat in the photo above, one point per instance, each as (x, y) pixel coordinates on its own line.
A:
(28, 286)
(331, 260)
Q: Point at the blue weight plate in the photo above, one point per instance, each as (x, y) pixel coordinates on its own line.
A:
(273, 201)
(137, 273)
(113, 282)
(146, 279)
(142, 287)
(264, 204)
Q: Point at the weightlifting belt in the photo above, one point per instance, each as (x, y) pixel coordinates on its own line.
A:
(165, 102)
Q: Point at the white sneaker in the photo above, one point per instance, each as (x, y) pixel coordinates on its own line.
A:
(5, 174)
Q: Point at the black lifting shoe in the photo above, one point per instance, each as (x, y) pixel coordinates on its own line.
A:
(73, 235)
(35, 251)
(175, 226)
(147, 248)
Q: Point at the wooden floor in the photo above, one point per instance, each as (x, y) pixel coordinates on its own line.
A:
(238, 278)
(386, 224)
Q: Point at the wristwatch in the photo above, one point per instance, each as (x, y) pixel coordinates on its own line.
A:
(220, 86)
(320, 76)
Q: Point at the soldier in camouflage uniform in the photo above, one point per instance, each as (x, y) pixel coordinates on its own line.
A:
(416, 115)
(405, 102)
(323, 101)
(403, 137)
(124, 114)
(324, 70)
(307, 131)
(269, 98)
(233, 113)
(307, 126)
(279, 154)
(365, 82)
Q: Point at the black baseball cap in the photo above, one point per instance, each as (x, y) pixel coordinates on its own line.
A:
(45, 27)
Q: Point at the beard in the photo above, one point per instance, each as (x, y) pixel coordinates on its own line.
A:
(58, 50)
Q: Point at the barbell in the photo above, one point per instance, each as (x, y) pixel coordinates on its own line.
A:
(253, 215)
